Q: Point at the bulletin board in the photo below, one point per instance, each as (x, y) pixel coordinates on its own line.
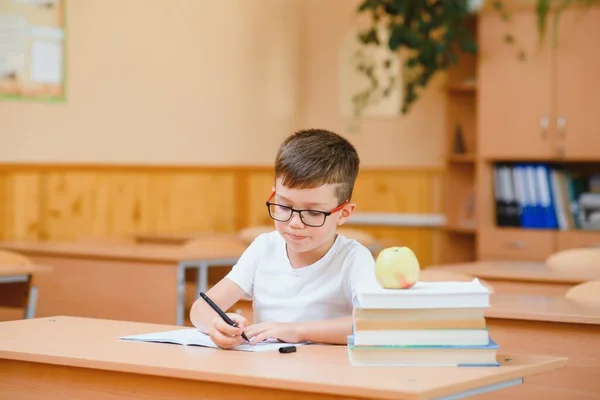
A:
(33, 49)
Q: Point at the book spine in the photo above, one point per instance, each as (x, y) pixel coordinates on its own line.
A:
(374, 325)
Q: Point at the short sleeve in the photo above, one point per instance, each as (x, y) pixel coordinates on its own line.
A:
(244, 271)
(361, 269)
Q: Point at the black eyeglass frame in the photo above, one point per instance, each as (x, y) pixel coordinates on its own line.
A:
(293, 210)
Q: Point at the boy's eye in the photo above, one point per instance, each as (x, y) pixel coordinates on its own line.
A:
(314, 213)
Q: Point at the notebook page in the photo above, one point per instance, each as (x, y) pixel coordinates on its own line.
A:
(195, 337)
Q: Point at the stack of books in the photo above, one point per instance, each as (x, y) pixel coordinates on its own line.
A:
(429, 324)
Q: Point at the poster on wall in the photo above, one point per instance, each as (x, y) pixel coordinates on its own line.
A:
(32, 49)
(370, 78)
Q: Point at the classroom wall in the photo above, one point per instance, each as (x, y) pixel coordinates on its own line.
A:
(166, 81)
(415, 139)
(207, 83)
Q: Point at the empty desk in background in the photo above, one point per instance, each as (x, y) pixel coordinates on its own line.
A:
(178, 239)
(17, 287)
(521, 277)
(118, 281)
(64, 358)
(550, 325)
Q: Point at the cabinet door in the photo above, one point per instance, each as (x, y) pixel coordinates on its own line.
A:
(577, 239)
(515, 244)
(515, 97)
(578, 84)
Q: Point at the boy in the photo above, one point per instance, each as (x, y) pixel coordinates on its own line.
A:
(302, 277)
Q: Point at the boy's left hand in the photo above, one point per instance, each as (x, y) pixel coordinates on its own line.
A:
(284, 331)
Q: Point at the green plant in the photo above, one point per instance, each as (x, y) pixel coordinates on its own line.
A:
(544, 10)
(431, 31)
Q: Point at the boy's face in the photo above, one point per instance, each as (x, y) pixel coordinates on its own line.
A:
(299, 237)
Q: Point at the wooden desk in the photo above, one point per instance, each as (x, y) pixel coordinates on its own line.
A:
(177, 239)
(521, 277)
(124, 282)
(18, 291)
(550, 325)
(65, 357)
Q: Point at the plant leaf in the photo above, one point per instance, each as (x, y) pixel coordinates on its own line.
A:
(543, 8)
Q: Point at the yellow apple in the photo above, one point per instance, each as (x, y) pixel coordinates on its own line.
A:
(397, 268)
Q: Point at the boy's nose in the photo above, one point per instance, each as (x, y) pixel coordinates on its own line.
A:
(296, 221)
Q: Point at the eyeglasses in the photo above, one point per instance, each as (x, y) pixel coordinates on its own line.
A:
(311, 218)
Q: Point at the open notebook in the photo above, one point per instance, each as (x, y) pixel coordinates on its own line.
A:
(193, 337)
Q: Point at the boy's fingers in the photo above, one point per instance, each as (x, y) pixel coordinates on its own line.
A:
(226, 329)
(239, 320)
(256, 329)
(259, 338)
(222, 340)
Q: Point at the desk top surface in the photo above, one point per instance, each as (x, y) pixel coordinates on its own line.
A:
(178, 238)
(517, 271)
(12, 270)
(213, 250)
(542, 308)
(93, 343)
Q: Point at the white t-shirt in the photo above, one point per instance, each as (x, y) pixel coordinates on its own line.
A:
(323, 290)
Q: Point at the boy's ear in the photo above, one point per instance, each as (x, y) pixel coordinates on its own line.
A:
(346, 212)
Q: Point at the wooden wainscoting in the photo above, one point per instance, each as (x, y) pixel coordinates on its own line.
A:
(64, 202)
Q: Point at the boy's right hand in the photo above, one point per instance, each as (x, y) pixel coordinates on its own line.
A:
(225, 335)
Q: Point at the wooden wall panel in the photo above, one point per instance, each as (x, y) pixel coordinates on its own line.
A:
(69, 202)
(22, 198)
(396, 191)
(260, 184)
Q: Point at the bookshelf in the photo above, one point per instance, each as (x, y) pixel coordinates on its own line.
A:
(539, 112)
(458, 197)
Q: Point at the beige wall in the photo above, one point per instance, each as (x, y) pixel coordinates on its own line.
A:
(415, 139)
(206, 82)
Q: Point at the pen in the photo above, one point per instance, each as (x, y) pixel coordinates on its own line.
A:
(221, 313)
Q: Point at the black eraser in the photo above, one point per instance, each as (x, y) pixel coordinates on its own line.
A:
(287, 349)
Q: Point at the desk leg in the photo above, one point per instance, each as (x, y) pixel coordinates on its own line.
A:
(202, 283)
(31, 302)
(483, 389)
(180, 319)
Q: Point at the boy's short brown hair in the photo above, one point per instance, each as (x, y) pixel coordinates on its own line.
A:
(314, 157)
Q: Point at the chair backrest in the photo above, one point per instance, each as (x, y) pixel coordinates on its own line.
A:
(364, 238)
(584, 261)
(247, 235)
(218, 240)
(587, 292)
(442, 275)
(12, 258)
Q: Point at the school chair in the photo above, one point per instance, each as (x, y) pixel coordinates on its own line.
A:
(218, 240)
(583, 261)
(248, 234)
(587, 292)
(16, 289)
(441, 275)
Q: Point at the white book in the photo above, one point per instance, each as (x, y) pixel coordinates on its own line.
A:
(194, 337)
(422, 337)
(425, 295)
